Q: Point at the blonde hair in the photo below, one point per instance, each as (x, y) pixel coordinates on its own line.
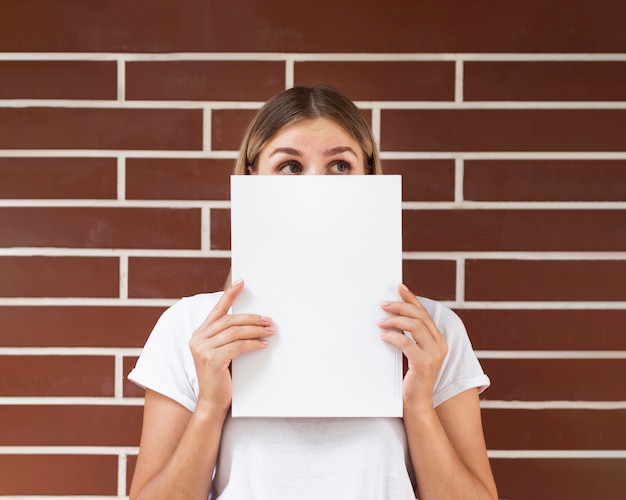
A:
(301, 103)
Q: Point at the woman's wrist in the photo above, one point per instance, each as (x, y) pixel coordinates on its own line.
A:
(210, 410)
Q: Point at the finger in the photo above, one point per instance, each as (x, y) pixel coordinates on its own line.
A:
(234, 349)
(419, 332)
(413, 308)
(239, 332)
(409, 311)
(222, 356)
(232, 321)
(400, 340)
(223, 304)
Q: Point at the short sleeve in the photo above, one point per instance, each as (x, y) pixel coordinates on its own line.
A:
(461, 369)
(165, 364)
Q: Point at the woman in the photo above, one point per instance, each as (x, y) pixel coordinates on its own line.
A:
(192, 448)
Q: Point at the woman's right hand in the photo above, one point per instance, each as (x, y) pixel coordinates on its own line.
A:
(221, 338)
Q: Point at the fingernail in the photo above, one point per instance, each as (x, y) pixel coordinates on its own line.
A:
(404, 288)
(237, 283)
(385, 304)
(382, 322)
(266, 319)
(270, 329)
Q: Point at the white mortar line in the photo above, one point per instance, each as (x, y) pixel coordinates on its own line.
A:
(116, 203)
(319, 56)
(559, 255)
(118, 390)
(407, 205)
(84, 301)
(117, 450)
(121, 81)
(123, 276)
(121, 177)
(289, 72)
(557, 454)
(458, 81)
(376, 128)
(460, 279)
(69, 401)
(503, 155)
(104, 252)
(114, 153)
(68, 450)
(550, 354)
(459, 174)
(207, 129)
(385, 155)
(205, 233)
(122, 461)
(553, 405)
(70, 351)
(397, 105)
(533, 306)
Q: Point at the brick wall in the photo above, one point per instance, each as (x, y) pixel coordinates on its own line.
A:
(119, 123)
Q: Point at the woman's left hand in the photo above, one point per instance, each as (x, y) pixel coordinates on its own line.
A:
(425, 353)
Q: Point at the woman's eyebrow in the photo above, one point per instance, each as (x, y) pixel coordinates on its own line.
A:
(338, 150)
(288, 151)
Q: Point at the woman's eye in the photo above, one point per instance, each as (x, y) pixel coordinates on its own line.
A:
(341, 167)
(290, 168)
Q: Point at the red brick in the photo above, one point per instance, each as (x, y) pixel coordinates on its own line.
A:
(57, 375)
(58, 80)
(553, 429)
(131, 390)
(204, 80)
(70, 425)
(175, 277)
(381, 81)
(514, 230)
(541, 329)
(76, 326)
(545, 180)
(369, 26)
(59, 277)
(58, 178)
(544, 81)
(178, 179)
(220, 229)
(229, 125)
(100, 227)
(555, 379)
(424, 180)
(435, 279)
(571, 478)
(100, 128)
(567, 280)
(58, 475)
(502, 129)
(131, 463)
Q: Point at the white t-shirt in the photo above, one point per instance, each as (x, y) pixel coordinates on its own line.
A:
(304, 458)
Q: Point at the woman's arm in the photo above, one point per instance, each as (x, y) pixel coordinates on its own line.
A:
(178, 449)
(448, 450)
(446, 444)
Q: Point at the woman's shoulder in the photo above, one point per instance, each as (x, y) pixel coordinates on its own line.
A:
(192, 304)
(190, 311)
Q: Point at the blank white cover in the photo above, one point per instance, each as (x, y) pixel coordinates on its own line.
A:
(318, 254)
